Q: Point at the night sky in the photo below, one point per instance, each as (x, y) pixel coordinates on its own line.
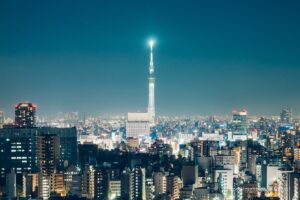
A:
(92, 56)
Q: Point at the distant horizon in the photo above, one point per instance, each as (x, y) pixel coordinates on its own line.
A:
(104, 115)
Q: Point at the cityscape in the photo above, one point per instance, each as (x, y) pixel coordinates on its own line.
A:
(149, 152)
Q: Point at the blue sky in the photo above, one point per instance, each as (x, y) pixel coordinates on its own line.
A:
(92, 56)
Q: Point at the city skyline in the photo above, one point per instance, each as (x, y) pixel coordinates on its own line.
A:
(214, 63)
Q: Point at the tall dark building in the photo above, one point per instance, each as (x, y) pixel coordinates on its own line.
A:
(48, 153)
(18, 150)
(87, 154)
(25, 115)
(68, 144)
(101, 184)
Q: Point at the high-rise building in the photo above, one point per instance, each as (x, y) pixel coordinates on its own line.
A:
(137, 125)
(68, 144)
(133, 183)
(139, 183)
(88, 154)
(126, 184)
(11, 185)
(48, 147)
(88, 182)
(149, 189)
(286, 116)
(30, 185)
(48, 153)
(58, 184)
(160, 183)
(173, 186)
(101, 181)
(18, 151)
(25, 115)
(151, 102)
(189, 174)
(224, 180)
(1, 118)
(115, 189)
(239, 125)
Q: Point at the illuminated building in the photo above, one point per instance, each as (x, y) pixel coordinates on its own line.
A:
(48, 149)
(226, 161)
(58, 185)
(115, 189)
(149, 189)
(286, 116)
(160, 184)
(30, 185)
(133, 183)
(224, 179)
(88, 182)
(201, 193)
(48, 153)
(173, 186)
(68, 144)
(137, 125)
(139, 183)
(132, 142)
(18, 151)
(101, 181)
(11, 185)
(25, 115)
(239, 125)
(126, 184)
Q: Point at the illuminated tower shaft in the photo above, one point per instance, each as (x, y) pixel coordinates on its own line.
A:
(151, 103)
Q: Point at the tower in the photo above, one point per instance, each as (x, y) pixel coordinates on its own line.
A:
(151, 103)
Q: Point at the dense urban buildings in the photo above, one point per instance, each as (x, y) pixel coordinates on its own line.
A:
(236, 158)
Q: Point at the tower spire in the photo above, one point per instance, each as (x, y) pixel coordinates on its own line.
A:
(151, 102)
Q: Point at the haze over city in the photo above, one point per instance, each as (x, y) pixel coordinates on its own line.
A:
(210, 57)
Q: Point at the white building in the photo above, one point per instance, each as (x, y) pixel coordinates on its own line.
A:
(115, 189)
(224, 179)
(160, 183)
(137, 125)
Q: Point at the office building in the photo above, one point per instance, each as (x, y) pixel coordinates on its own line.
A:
(139, 183)
(1, 118)
(224, 181)
(160, 184)
(137, 125)
(286, 116)
(189, 174)
(173, 187)
(68, 144)
(11, 185)
(88, 182)
(88, 154)
(18, 150)
(101, 181)
(239, 125)
(115, 189)
(25, 115)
